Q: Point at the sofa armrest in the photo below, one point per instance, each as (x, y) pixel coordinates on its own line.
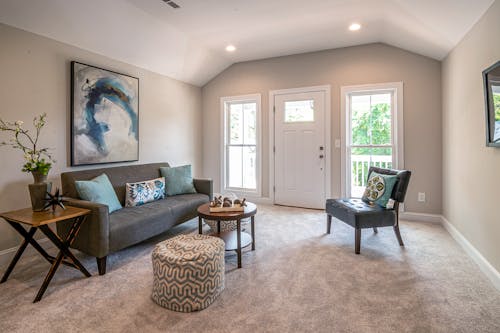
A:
(93, 237)
(205, 186)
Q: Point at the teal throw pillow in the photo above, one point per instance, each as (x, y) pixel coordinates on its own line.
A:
(139, 193)
(98, 190)
(178, 180)
(379, 188)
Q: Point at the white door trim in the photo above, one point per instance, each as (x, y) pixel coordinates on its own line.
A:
(397, 119)
(328, 147)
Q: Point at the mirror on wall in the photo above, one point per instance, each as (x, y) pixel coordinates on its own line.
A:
(491, 78)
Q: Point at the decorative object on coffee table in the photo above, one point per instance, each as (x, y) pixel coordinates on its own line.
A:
(220, 204)
(104, 116)
(188, 272)
(38, 161)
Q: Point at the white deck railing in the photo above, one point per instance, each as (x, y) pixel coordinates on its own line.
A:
(359, 170)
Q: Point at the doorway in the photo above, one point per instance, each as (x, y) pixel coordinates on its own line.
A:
(301, 149)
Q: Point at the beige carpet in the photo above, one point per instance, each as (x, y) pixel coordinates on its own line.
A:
(298, 280)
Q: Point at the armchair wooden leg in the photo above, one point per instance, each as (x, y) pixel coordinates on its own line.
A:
(357, 240)
(398, 235)
(101, 265)
(375, 230)
(328, 223)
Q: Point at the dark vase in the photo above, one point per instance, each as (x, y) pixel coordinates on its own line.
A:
(38, 191)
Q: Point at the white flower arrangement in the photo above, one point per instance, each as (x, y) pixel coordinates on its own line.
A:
(37, 159)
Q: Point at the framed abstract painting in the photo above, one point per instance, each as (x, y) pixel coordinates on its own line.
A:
(491, 80)
(104, 116)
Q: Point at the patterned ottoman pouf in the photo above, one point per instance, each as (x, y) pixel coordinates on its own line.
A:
(188, 272)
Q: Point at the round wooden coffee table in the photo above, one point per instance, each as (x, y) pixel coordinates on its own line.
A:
(235, 240)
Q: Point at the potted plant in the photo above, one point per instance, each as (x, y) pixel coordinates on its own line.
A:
(38, 161)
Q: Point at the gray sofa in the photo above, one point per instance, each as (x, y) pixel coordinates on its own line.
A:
(103, 233)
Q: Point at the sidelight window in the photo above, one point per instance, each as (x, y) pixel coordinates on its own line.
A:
(241, 168)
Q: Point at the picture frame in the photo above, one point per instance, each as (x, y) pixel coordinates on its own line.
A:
(104, 116)
(491, 81)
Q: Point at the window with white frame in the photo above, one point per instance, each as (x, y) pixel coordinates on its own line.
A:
(374, 132)
(241, 144)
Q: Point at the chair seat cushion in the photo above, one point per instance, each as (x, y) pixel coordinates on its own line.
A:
(359, 214)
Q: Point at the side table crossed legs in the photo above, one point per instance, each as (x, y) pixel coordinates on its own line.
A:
(62, 245)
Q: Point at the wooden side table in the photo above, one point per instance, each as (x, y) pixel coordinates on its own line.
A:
(41, 220)
(235, 240)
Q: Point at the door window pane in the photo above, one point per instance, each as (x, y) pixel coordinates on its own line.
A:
(299, 111)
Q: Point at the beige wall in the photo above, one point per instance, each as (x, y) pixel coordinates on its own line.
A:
(471, 170)
(375, 63)
(35, 78)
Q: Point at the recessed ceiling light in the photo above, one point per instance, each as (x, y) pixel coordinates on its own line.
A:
(230, 48)
(355, 27)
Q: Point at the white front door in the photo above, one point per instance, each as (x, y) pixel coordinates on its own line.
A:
(300, 151)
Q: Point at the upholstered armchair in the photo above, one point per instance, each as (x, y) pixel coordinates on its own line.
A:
(361, 214)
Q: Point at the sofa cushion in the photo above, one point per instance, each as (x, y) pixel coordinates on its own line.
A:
(99, 190)
(179, 180)
(132, 225)
(143, 192)
(184, 206)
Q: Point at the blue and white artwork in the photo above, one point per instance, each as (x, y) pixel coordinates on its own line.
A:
(105, 116)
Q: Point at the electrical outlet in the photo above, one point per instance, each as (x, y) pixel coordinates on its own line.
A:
(421, 196)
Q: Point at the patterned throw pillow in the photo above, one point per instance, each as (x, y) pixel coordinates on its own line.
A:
(143, 192)
(379, 188)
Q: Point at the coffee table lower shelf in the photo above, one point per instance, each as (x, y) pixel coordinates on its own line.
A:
(231, 239)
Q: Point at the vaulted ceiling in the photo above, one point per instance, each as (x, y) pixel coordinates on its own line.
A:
(189, 43)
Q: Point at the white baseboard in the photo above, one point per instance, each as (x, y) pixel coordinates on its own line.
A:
(7, 255)
(420, 217)
(261, 200)
(478, 258)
